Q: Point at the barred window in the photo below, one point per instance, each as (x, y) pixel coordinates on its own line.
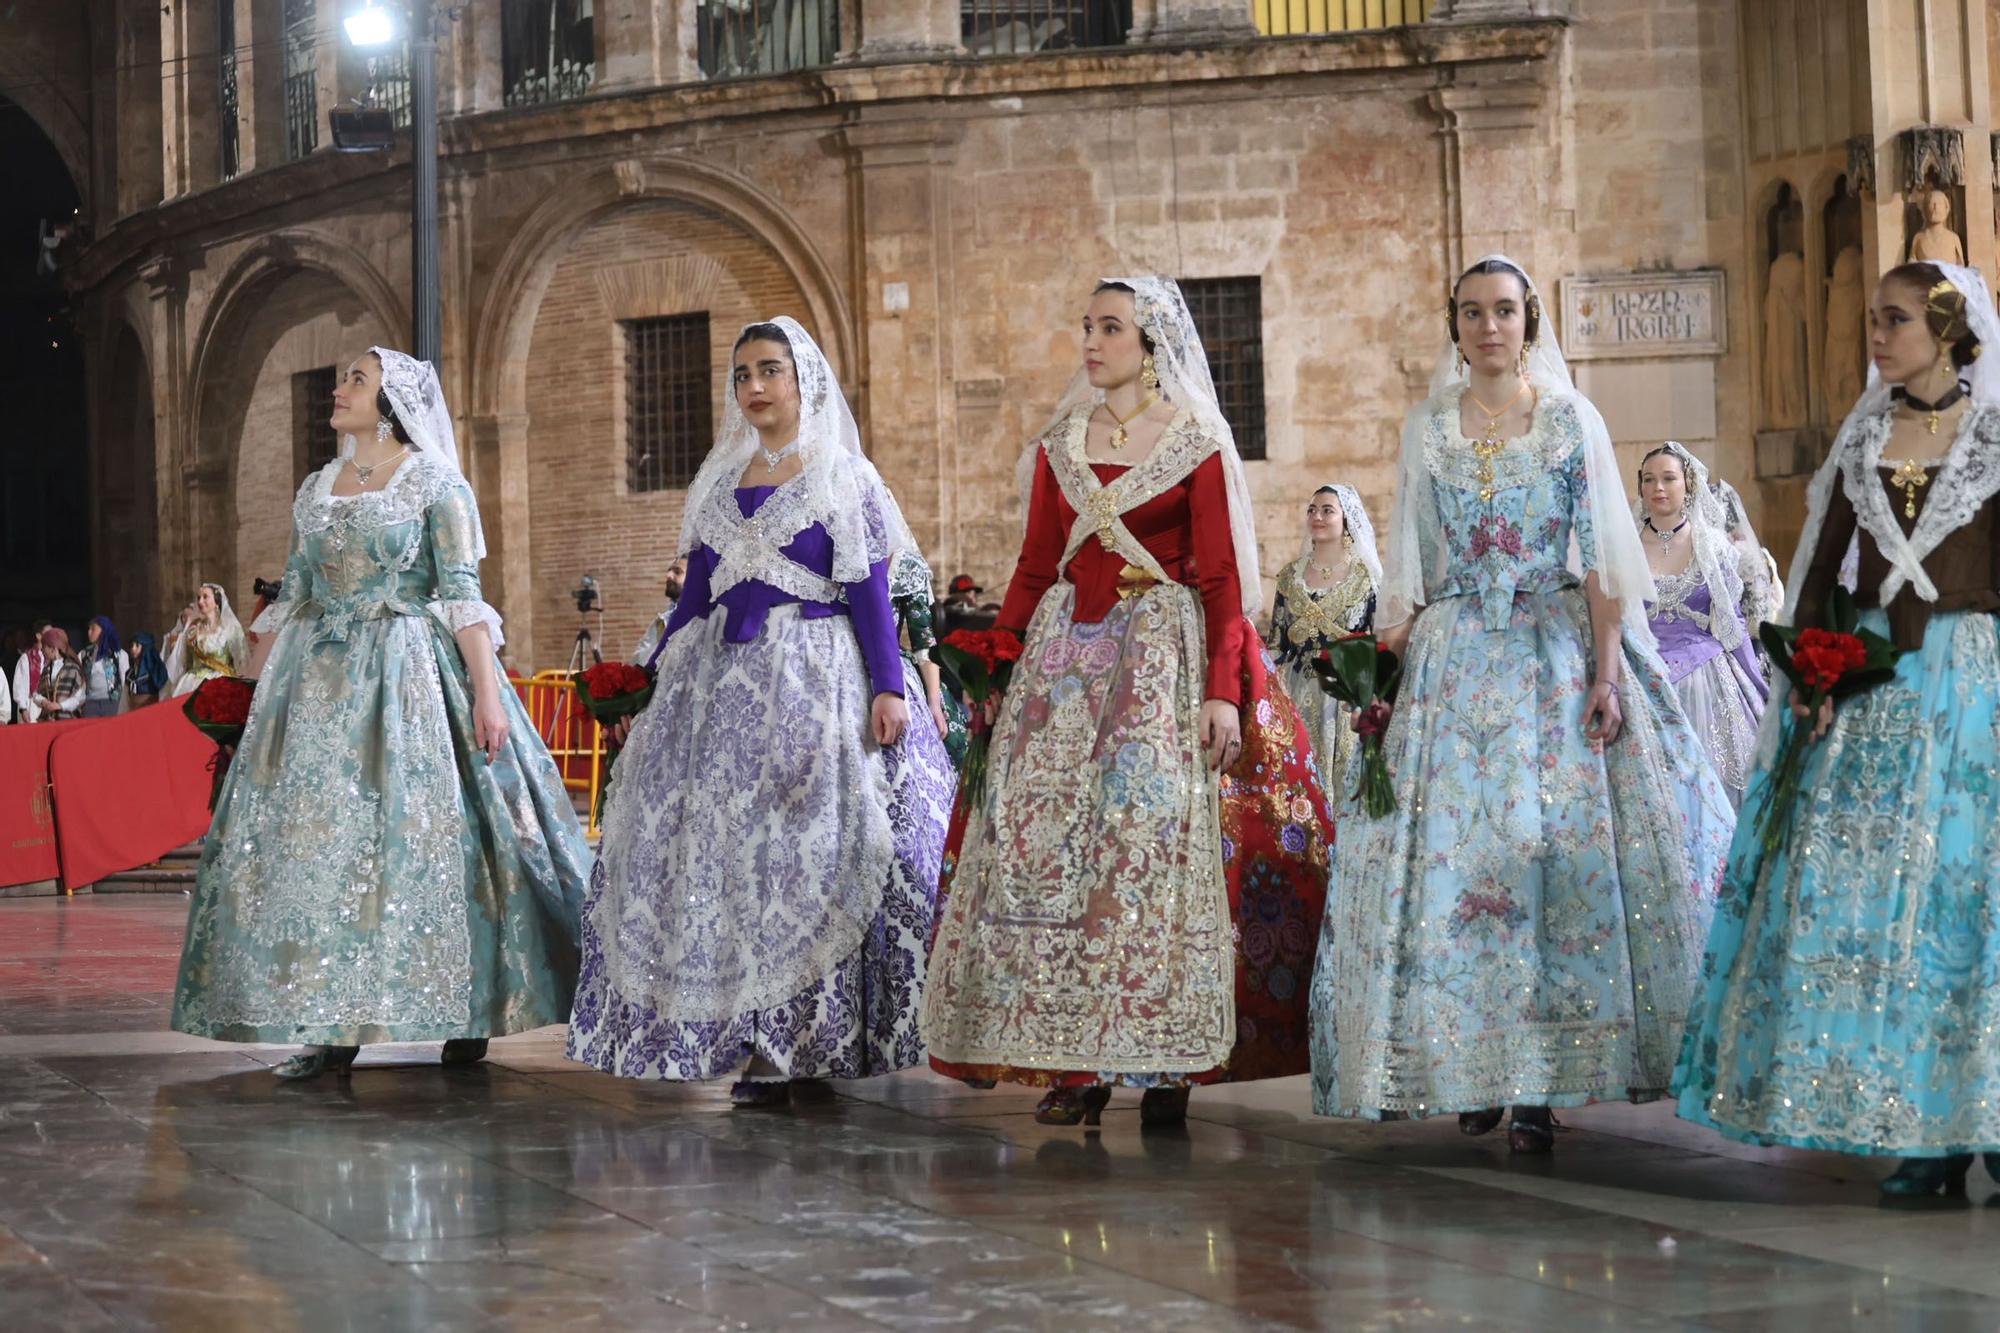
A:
(314, 440)
(669, 411)
(1018, 27)
(548, 50)
(389, 83)
(301, 79)
(735, 38)
(1229, 316)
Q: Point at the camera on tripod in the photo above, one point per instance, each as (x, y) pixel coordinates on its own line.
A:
(269, 589)
(587, 600)
(585, 595)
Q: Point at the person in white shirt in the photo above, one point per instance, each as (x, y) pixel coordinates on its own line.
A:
(59, 698)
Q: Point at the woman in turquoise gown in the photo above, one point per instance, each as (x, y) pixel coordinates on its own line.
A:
(394, 856)
(1851, 993)
(1524, 929)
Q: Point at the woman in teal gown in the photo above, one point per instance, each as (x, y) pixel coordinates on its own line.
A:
(394, 857)
(1851, 993)
(1524, 929)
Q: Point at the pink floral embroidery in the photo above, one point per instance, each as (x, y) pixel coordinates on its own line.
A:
(1495, 533)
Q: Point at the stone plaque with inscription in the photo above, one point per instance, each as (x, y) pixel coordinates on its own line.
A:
(1673, 313)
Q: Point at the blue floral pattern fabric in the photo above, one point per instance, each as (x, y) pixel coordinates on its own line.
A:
(369, 877)
(1525, 927)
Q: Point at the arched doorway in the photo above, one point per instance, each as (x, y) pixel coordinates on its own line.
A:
(45, 540)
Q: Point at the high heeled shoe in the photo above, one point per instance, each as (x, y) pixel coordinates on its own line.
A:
(1532, 1131)
(1164, 1106)
(463, 1051)
(1073, 1106)
(1918, 1176)
(319, 1060)
(1474, 1123)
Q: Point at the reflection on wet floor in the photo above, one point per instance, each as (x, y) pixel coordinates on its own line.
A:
(149, 1180)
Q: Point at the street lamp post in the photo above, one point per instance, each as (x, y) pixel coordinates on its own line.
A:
(369, 28)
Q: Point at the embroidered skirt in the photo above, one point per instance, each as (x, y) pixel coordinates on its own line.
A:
(766, 879)
(1851, 993)
(1114, 914)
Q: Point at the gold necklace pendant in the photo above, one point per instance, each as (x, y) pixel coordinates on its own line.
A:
(1932, 421)
(1909, 476)
(1486, 451)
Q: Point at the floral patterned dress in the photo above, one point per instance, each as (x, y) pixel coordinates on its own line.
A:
(369, 876)
(1115, 915)
(1526, 926)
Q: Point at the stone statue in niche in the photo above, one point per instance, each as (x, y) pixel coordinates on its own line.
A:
(1937, 243)
(1784, 380)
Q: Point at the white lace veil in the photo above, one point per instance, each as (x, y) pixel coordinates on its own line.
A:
(417, 399)
(1717, 557)
(1621, 562)
(843, 492)
(1162, 314)
(1359, 526)
(227, 627)
(1982, 383)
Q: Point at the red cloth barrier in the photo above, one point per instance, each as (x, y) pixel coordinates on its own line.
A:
(27, 816)
(128, 790)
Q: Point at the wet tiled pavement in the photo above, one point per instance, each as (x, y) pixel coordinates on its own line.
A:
(150, 1180)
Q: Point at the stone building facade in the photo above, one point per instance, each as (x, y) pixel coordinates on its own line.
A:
(937, 214)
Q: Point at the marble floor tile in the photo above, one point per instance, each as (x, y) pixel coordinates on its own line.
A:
(150, 1180)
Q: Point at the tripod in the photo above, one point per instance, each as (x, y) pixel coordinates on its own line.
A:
(586, 652)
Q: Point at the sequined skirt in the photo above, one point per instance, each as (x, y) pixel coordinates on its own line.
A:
(1525, 927)
(1851, 991)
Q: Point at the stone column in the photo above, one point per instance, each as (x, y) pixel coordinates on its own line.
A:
(900, 179)
(260, 83)
(1498, 197)
(188, 88)
(166, 285)
(908, 30)
(469, 62)
(647, 44)
(1194, 23)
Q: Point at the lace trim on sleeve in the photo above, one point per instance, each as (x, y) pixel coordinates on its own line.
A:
(464, 615)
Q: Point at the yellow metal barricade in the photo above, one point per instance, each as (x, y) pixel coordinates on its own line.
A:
(1299, 18)
(574, 739)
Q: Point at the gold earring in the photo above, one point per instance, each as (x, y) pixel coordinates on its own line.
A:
(1149, 375)
(1347, 542)
(1524, 361)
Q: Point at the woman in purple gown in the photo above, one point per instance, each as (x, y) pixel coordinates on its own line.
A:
(1713, 592)
(762, 901)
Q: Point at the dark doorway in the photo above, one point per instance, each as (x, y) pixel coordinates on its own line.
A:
(45, 544)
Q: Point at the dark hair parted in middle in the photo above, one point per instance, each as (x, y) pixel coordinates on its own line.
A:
(1533, 302)
(770, 333)
(1145, 339)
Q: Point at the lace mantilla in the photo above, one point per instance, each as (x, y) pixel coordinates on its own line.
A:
(752, 549)
(1553, 435)
(1182, 448)
(1961, 485)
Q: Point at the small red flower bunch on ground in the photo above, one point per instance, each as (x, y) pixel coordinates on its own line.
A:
(1822, 663)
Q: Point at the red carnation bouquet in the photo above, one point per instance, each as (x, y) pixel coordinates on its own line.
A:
(611, 692)
(983, 660)
(220, 708)
(1831, 663)
(1362, 674)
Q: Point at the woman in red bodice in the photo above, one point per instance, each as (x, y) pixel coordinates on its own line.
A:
(1139, 890)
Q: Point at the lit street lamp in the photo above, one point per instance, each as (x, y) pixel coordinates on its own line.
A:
(370, 28)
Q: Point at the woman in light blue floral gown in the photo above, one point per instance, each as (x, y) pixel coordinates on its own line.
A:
(393, 855)
(1524, 928)
(1851, 994)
